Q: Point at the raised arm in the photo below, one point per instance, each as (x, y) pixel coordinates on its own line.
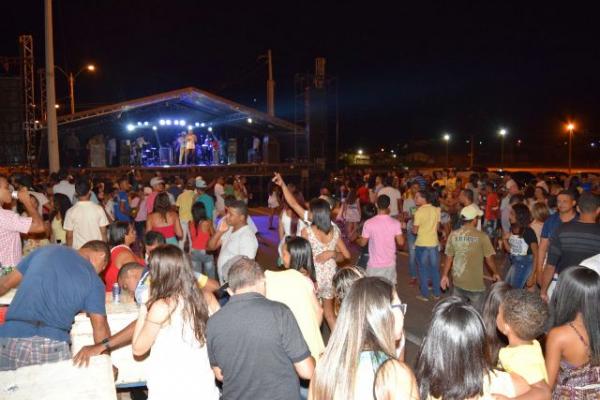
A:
(289, 196)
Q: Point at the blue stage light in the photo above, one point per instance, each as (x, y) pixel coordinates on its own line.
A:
(197, 124)
(168, 122)
(182, 122)
(161, 122)
(130, 127)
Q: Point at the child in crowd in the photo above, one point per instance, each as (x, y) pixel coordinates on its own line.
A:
(521, 318)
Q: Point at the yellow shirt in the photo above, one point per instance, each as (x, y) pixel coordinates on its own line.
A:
(296, 291)
(427, 219)
(525, 360)
(185, 201)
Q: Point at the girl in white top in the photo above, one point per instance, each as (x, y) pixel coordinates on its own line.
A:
(172, 328)
(370, 322)
(457, 330)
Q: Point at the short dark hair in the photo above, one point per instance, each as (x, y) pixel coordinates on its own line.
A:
(588, 203)
(468, 193)
(525, 312)
(82, 187)
(569, 193)
(383, 201)
(240, 206)
(98, 246)
(130, 266)
(153, 238)
(426, 194)
(62, 174)
(516, 198)
(243, 273)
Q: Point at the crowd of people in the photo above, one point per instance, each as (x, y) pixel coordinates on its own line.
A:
(323, 320)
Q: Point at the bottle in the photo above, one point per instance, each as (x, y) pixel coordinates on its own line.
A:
(116, 293)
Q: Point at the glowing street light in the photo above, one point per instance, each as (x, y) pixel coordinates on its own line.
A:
(570, 127)
(502, 133)
(446, 138)
(71, 78)
(360, 152)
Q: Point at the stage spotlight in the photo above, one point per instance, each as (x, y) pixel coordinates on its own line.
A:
(154, 128)
(130, 127)
(168, 122)
(145, 123)
(190, 127)
(161, 122)
(210, 128)
(139, 123)
(182, 122)
(249, 120)
(202, 124)
(197, 124)
(176, 122)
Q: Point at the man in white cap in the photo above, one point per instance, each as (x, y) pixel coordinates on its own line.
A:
(466, 249)
(158, 185)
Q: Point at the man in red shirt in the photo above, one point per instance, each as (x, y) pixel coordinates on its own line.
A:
(492, 208)
(363, 194)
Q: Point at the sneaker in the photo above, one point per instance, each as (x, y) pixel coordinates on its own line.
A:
(435, 298)
(419, 297)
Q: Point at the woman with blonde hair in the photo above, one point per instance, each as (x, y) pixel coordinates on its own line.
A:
(369, 324)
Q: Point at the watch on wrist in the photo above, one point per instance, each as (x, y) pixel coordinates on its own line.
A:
(105, 343)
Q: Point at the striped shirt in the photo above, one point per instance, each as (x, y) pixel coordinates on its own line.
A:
(572, 243)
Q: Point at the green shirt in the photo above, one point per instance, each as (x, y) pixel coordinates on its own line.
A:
(468, 247)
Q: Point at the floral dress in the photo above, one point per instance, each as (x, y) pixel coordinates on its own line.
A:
(324, 271)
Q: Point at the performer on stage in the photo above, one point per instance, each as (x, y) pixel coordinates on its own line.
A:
(190, 147)
(181, 146)
(215, 150)
(140, 142)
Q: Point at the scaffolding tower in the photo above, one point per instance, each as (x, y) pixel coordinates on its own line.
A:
(29, 124)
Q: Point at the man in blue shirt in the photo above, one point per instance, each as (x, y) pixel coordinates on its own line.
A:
(122, 209)
(565, 204)
(55, 283)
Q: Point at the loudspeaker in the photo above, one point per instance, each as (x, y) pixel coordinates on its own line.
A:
(232, 151)
(165, 154)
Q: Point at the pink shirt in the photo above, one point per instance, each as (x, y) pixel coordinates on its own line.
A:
(381, 230)
(11, 226)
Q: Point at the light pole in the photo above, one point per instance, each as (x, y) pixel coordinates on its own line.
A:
(570, 128)
(71, 78)
(502, 133)
(447, 140)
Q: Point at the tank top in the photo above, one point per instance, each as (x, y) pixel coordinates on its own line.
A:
(199, 239)
(177, 356)
(112, 272)
(167, 231)
(581, 382)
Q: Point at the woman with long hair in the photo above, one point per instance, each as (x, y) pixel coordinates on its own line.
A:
(294, 287)
(325, 240)
(57, 218)
(201, 229)
(164, 220)
(121, 235)
(370, 322)
(289, 223)
(173, 326)
(522, 245)
(351, 214)
(457, 334)
(494, 338)
(573, 343)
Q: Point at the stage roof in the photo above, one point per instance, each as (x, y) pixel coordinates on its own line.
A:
(202, 106)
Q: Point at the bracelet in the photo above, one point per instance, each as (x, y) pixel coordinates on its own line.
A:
(105, 342)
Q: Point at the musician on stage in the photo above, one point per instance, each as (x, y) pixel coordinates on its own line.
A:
(215, 150)
(139, 144)
(190, 147)
(181, 146)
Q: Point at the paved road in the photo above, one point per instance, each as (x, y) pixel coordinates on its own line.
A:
(418, 312)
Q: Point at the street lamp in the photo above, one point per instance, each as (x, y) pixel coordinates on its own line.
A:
(447, 140)
(502, 133)
(570, 128)
(71, 78)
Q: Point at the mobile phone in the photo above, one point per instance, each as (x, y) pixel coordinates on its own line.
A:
(15, 195)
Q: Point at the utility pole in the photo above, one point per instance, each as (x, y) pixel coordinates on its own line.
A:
(51, 124)
(270, 87)
(72, 92)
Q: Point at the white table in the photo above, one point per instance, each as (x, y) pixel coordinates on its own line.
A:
(131, 372)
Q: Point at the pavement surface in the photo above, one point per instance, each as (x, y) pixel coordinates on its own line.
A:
(418, 312)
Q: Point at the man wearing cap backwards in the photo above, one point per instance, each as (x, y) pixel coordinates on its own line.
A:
(466, 249)
(204, 198)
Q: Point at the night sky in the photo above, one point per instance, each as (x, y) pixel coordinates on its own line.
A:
(412, 71)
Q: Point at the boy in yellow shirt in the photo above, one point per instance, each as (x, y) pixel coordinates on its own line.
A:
(521, 318)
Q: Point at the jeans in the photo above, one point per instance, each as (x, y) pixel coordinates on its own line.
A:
(428, 259)
(412, 259)
(203, 263)
(520, 269)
